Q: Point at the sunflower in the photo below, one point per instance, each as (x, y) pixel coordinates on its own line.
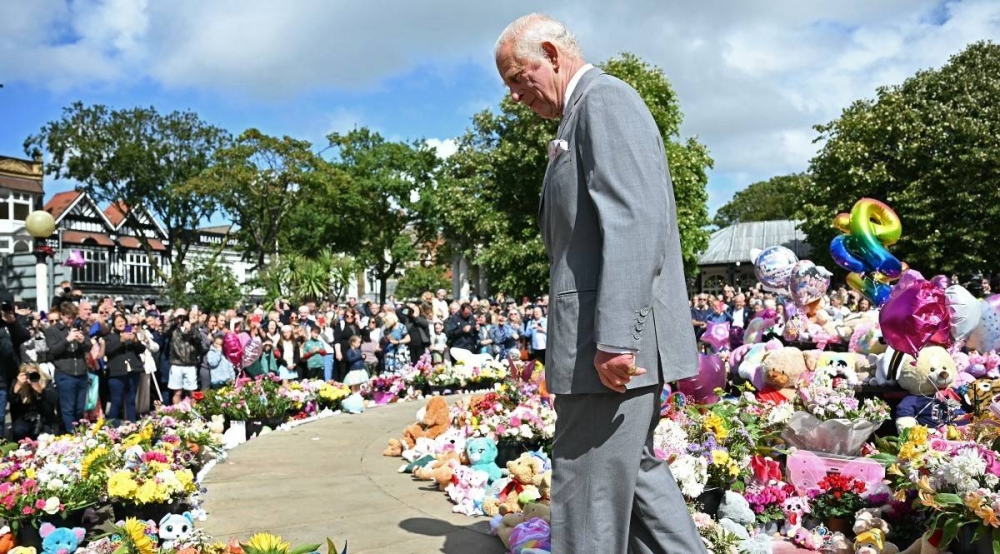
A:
(134, 531)
(266, 543)
(89, 460)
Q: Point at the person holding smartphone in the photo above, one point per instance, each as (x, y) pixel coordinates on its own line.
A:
(32, 405)
(123, 348)
(69, 344)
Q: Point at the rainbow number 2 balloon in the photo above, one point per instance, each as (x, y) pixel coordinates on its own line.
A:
(870, 229)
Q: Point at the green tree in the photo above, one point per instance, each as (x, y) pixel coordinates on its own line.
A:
(257, 181)
(139, 157)
(928, 148)
(395, 179)
(488, 191)
(212, 288)
(331, 210)
(421, 278)
(777, 198)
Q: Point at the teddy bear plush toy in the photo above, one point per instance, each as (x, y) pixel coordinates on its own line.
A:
(503, 525)
(60, 540)
(432, 423)
(467, 490)
(870, 533)
(930, 403)
(482, 455)
(834, 366)
(981, 394)
(795, 508)
(782, 369)
(175, 527)
(735, 514)
(440, 470)
(526, 475)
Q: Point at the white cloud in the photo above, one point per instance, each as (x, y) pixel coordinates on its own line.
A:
(445, 148)
(752, 77)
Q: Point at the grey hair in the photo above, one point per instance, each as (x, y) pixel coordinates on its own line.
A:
(528, 32)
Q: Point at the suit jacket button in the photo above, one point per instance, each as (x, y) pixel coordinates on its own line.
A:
(635, 336)
(644, 312)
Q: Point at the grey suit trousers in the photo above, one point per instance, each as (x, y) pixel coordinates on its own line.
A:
(634, 505)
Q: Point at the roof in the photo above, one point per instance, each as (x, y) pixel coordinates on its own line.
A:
(21, 184)
(132, 242)
(116, 213)
(61, 202)
(77, 237)
(215, 230)
(733, 244)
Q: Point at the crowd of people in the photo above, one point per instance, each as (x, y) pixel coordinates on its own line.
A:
(88, 358)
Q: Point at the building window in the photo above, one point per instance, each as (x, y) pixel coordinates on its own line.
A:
(138, 270)
(714, 284)
(22, 246)
(96, 268)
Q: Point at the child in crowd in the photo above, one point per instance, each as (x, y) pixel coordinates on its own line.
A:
(219, 367)
(312, 353)
(439, 343)
(370, 351)
(356, 376)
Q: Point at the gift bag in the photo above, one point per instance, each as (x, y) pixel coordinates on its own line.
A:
(93, 393)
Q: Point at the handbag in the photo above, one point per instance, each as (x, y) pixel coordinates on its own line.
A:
(93, 392)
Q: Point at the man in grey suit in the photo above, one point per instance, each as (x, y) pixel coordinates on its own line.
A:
(618, 325)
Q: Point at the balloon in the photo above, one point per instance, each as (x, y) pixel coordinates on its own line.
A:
(75, 259)
(915, 315)
(736, 337)
(808, 282)
(716, 335)
(755, 330)
(773, 267)
(870, 229)
(964, 309)
(251, 351)
(941, 281)
(986, 336)
(232, 349)
(711, 375)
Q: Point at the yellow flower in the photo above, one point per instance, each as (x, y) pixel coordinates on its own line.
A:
(149, 493)
(715, 424)
(926, 493)
(14, 476)
(122, 485)
(135, 530)
(30, 473)
(132, 440)
(89, 460)
(734, 469)
(186, 479)
(908, 452)
(720, 457)
(894, 470)
(267, 543)
(918, 435)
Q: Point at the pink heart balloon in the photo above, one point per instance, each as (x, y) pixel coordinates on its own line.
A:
(711, 375)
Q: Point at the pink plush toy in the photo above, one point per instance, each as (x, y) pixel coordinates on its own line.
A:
(992, 363)
(467, 489)
(795, 509)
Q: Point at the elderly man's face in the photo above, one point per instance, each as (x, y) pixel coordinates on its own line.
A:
(740, 300)
(532, 83)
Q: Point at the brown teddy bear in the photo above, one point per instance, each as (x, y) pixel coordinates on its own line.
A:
(931, 401)
(512, 520)
(526, 480)
(435, 421)
(782, 369)
(441, 469)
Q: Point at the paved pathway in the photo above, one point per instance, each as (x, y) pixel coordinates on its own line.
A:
(329, 479)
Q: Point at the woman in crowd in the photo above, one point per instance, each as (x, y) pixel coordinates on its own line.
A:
(33, 405)
(504, 337)
(220, 369)
(397, 353)
(288, 354)
(273, 332)
(123, 346)
(484, 342)
(342, 335)
(420, 329)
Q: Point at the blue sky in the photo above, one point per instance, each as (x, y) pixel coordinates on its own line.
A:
(752, 77)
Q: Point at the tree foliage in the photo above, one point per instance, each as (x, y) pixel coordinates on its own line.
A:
(139, 157)
(487, 194)
(395, 180)
(212, 288)
(257, 181)
(777, 198)
(929, 149)
(419, 279)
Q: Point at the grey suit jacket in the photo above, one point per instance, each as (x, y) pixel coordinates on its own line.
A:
(609, 224)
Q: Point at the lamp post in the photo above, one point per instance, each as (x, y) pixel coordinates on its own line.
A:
(41, 225)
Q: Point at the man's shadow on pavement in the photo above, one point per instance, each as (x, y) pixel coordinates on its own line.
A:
(458, 539)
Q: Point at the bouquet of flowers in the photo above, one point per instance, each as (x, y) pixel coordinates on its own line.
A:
(838, 496)
(830, 419)
(149, 477)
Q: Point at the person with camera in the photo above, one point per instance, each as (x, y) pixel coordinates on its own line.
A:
(123, 347)
(12, 335)
(68, 347)
(32, 405)
(461, 329)
(185, 351)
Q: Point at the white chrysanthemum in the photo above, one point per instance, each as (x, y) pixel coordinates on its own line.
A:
(780, 414)
(691, 473)
(962, 469)
(670, 437)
